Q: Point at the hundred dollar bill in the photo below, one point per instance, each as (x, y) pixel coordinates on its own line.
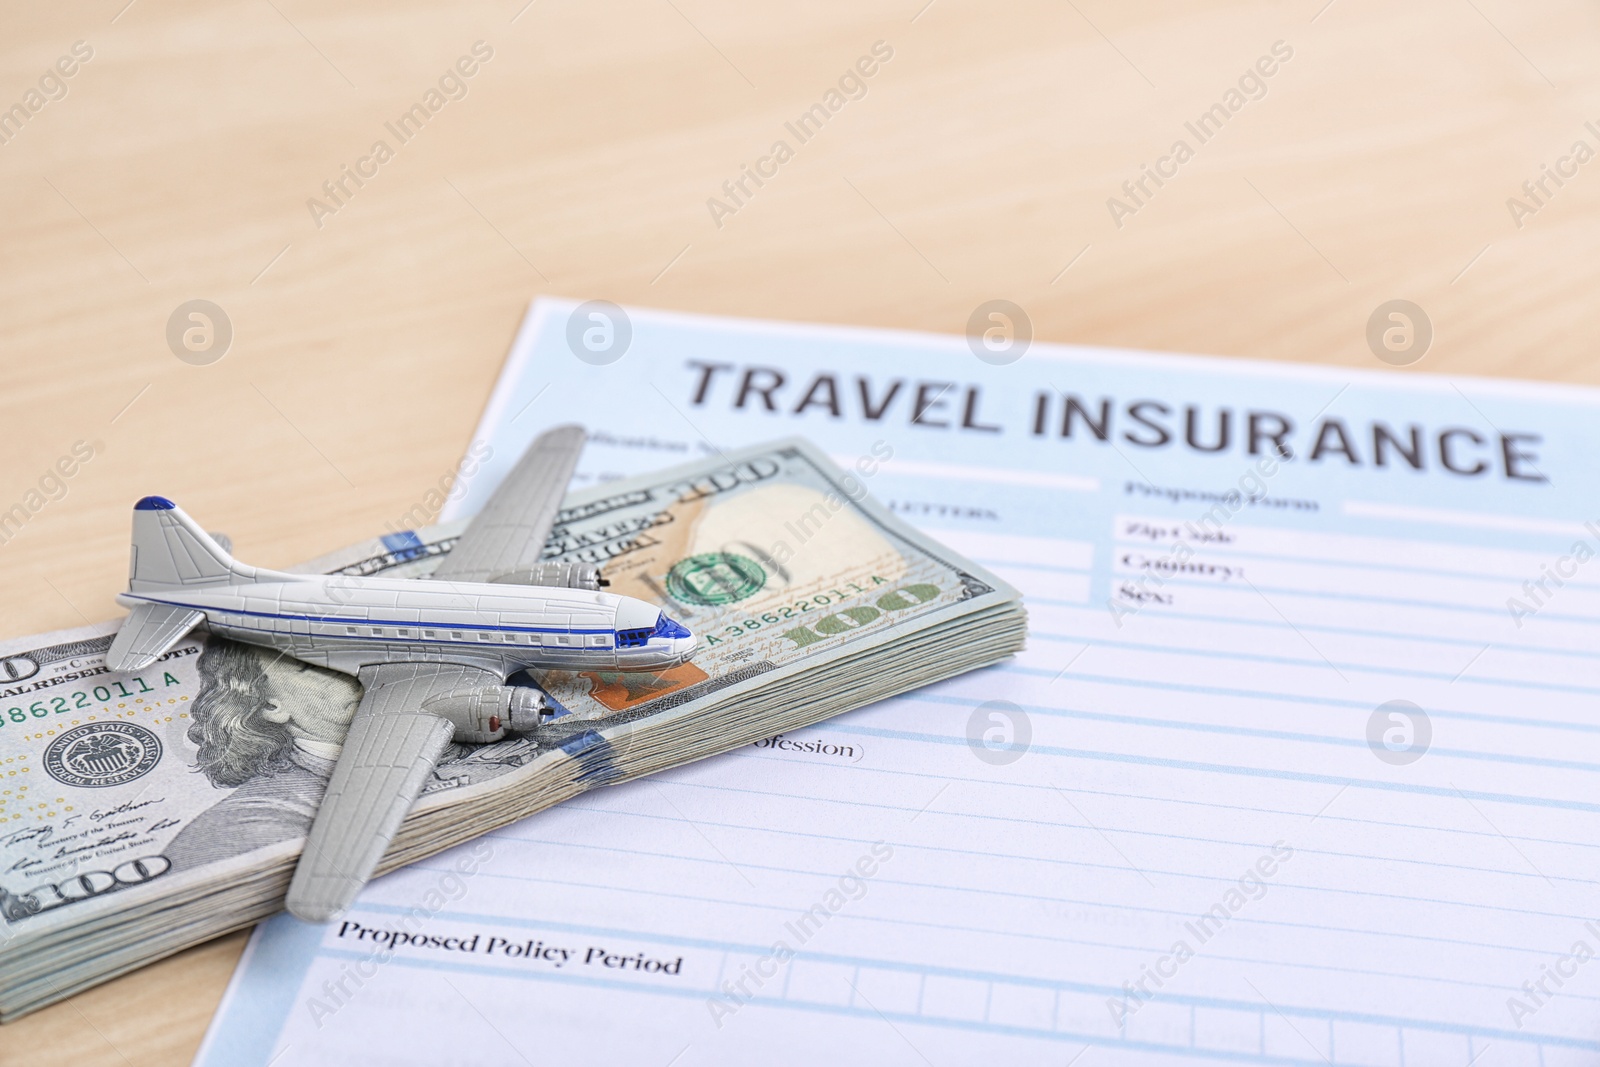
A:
(141, 813)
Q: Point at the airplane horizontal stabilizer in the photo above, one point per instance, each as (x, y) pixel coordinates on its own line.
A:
(148, 633)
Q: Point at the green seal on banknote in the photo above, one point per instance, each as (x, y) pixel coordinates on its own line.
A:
(712, 578)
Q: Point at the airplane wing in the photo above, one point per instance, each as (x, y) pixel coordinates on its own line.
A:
(148, 633)
(510, 532)
(391, 749)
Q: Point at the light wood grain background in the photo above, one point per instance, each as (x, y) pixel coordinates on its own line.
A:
(1377, 165)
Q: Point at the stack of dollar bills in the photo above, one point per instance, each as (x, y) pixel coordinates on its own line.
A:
(144, 813)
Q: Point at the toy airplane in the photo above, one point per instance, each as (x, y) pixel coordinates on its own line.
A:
(432, 654)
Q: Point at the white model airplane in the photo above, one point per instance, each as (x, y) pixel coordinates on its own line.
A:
(433, 654)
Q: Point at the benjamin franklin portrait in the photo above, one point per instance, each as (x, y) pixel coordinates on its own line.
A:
(269, 729)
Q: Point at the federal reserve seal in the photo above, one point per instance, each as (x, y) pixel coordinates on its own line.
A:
(712, 578)
(101, 754)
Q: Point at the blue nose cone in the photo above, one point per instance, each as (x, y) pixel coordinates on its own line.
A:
(154, 503)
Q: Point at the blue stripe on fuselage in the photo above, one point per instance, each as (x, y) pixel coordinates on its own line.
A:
(334, 639)
(348, 621)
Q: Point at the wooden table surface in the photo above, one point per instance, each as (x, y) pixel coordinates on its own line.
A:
(186, 155)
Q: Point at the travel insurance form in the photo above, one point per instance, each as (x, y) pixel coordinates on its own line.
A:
(1301, 764)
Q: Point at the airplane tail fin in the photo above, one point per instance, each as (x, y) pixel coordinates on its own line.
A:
(172, 550)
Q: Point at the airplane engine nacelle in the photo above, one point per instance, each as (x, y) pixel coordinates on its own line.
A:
(561, 575)
(484, 715)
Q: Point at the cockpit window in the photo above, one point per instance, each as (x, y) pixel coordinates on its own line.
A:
(666, 627)
(640, 637)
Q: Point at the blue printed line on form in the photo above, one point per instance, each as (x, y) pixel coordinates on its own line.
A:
(973, 930)
(1359, 598)
(1259, 732)
(931, 776)
(1116, 869)
(1163, 613)
(1035, 821)
(1313, 664)
(1537, 953)
(950, 972)
(1284, 698)
(1255, 772)
(1231, 553)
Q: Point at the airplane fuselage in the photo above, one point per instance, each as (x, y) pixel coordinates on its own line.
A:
(348, 623)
